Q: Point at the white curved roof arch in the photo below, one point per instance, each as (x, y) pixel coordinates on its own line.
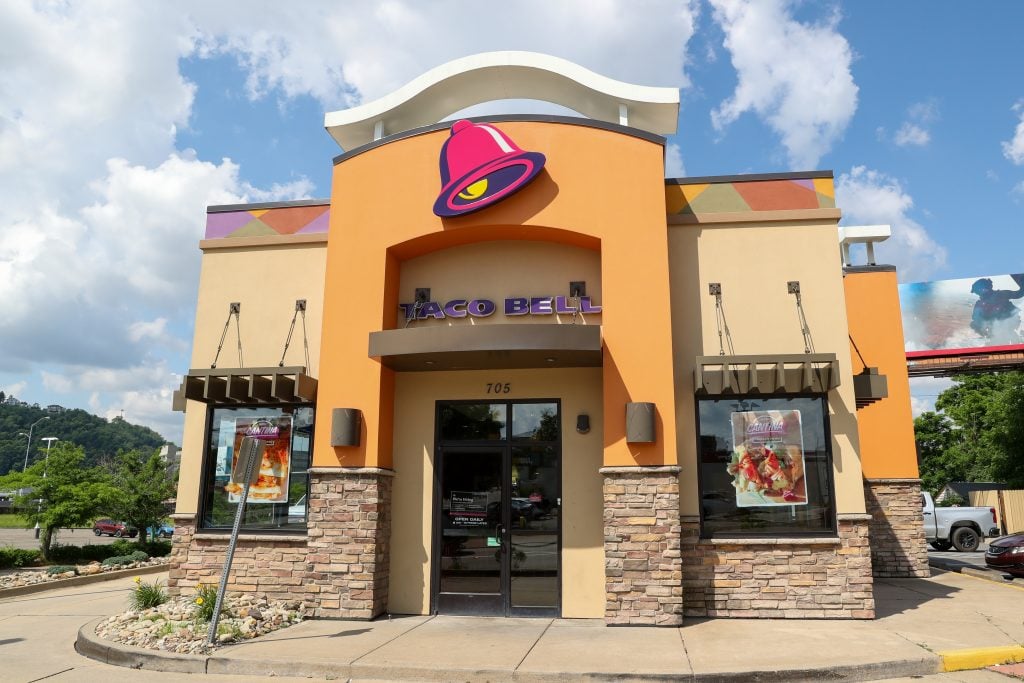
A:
(491, 76)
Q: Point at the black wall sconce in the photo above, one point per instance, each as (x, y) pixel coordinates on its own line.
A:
(640, 423)
(345, 426)
(582, 423)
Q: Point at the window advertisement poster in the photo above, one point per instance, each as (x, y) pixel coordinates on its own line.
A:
(767, 462)
(970, 313)
(276, 434)
(468, 509)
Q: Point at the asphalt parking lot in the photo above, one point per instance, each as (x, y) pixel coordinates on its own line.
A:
(26, 538)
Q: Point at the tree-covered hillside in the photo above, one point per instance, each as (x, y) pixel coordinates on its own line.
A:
(100, 439)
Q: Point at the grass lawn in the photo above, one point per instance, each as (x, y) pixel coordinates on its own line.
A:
(11, 521)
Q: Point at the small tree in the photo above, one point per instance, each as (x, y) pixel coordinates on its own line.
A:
(142, 487)
(59, 492)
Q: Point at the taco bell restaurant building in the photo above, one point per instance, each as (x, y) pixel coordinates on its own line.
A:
(509, 369)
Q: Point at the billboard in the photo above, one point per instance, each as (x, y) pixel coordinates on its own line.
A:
(971, 315)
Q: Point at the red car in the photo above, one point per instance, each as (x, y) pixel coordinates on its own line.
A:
(1006, 554)
(112, 528)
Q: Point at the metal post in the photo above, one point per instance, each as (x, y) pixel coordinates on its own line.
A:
(251, 464)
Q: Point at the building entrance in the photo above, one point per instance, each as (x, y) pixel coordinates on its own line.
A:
(497, 493)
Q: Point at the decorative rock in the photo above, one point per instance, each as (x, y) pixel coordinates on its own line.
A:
(149, 628)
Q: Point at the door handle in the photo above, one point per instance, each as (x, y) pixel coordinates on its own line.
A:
(499, 533)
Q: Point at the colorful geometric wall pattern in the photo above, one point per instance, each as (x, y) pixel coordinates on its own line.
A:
(753, 195)
(285, 220)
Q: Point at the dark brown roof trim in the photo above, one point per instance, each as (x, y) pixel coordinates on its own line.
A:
(224, 208)
(749, 177)
(881, 268)
(505, 118)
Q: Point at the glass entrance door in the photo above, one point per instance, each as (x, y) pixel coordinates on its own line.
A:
(497, 492)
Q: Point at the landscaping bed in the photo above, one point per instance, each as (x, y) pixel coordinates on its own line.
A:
(181, 625)
(31, 577)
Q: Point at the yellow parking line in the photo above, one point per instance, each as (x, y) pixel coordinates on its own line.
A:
(980, 657)
(978, 578)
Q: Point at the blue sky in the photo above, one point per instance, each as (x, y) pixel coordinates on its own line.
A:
(120, 122)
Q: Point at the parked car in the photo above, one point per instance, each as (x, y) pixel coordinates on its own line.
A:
(110, 527)
(1006, 554)
(962, 528)
(161, 531)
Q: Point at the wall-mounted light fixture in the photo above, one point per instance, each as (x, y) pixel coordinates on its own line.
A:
(640, 423)
(345, 426)
(582, 423)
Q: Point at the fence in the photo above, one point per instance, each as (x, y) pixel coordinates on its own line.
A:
(1008, 504)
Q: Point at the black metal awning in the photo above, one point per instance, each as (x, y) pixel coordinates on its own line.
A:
(234, 386)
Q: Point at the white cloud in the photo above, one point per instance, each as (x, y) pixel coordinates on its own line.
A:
(344, 56)
(100, 210)
(1013, 149)
(794, 76)
(16, 388)
(924, 391)
(870, 197)
(674, 162)
(911, 134)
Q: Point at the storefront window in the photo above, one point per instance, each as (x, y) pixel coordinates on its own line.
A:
(765, 467)
(277, 501)
(473, 421)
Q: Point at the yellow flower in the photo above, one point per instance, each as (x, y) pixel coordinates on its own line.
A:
(199, 601)
(138, 579)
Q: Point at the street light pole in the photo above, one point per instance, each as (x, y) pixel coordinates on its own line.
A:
(39, 505)
(28, 446)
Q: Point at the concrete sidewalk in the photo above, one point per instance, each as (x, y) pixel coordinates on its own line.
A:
(924, 626)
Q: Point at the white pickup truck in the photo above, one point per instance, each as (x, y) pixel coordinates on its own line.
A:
(957, 527)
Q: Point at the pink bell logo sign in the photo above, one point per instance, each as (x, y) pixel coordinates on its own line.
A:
(480, 165)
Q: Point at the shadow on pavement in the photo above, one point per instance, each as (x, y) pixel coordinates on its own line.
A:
(894, 596)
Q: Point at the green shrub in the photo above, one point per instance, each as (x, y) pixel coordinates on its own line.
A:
(117, 561)
(146, 595)
(83, 553)
(11, 557)
(155, 548)
(123, 546)
(206, 601)
(60, 569)
(139, 555)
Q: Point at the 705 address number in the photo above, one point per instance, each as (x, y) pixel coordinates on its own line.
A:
(499, 387)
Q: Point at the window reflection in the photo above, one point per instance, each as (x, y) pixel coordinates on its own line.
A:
(473, 422)
(219, 504)
(536, 421)
(765, 466)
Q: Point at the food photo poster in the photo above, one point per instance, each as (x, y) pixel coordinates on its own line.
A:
(276, 434)
(767, 463)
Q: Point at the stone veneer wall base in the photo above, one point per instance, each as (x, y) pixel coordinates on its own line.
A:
(339, 567)
(779, 578)
(899, 548)
(643, 572)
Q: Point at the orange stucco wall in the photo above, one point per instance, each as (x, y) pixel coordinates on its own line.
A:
(876, 327)
(600, 189)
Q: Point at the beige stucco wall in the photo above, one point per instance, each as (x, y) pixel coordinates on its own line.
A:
(266, 281)
(753, 262)
(582, 504)
(495, 270)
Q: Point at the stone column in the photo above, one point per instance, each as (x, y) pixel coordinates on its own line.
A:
(349, 528)
(898, 545)
(184, 530)
(643, 565)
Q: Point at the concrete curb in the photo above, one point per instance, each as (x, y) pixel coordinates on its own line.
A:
(953, 566)
(81, 580)
(92, 646)
(980, 657)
